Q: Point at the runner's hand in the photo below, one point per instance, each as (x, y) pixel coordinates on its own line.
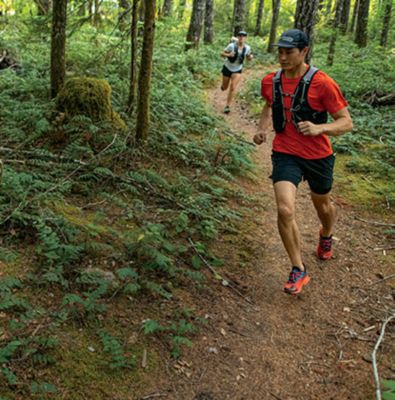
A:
(260, 138)
(309, 129)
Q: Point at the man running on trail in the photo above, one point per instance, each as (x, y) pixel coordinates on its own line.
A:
(235, 53)
(298, 100)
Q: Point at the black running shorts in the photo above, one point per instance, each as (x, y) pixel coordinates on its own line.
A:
(318, 173)
(227, 72)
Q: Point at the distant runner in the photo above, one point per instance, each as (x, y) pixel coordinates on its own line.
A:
(235, 53)
(298, 100)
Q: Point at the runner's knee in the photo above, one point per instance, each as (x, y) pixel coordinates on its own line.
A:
(286, 212)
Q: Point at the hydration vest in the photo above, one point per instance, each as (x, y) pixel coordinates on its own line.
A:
(236, 51)
(300, 108)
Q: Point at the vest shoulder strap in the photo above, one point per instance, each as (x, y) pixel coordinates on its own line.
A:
(309, 74)
(244, 51)
(277, 76)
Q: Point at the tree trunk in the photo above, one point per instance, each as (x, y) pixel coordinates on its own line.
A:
(143, 110)
(196, 24)
(96, 15)
(354, 16)
(167, 8)
(259, 15)
(124, 8)
(133, 57)
(305, 20)
(273, 29)
(43, 6)
(141, 17)
(209, 22)
(58, 46)
(90, 10)
(361, 31)
(239, 16)
(386, 23)
(181, 9)
(335, 25)
(344, 17)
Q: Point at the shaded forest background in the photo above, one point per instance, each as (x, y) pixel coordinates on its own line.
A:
(117, 177)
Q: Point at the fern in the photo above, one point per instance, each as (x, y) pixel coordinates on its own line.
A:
(113, 348)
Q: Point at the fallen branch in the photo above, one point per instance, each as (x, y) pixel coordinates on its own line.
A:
(33, 154)
(375, 223)
(374, 362)
(384, 279)
(275, 396)
(151, 396)
(217, 275)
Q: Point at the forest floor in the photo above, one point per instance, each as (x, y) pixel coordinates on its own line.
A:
(260, 343)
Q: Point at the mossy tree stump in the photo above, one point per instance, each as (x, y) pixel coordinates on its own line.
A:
(90, 97)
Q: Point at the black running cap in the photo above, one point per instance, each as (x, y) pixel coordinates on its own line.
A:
(242, 33)
(293, 38)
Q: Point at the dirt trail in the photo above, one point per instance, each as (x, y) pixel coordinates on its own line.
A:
(315, 346)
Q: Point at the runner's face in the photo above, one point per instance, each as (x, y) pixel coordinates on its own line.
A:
(241, 39)
(291, 58)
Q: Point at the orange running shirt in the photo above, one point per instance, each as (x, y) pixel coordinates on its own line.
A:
(324, 95)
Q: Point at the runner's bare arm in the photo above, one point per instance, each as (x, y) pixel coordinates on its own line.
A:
(227, 54)
(265, 122)
(342, 123)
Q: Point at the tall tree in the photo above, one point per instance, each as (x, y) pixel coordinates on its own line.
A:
(196, 24)
(361, 31)
(335, 25)
(167, 8)
(239, 11)
(143, 108)
(386, 23)
(97, 13)
(345, 16)
(354, 16)
(209, 22)
(133, 57)
(273, 28)
(58, 46)
(43, 6)
(141, 17)
(259, 15)
(305, 20)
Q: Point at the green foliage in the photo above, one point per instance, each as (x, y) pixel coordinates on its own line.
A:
(42, 387)
(6, 354)
(176, 333)
(115, 352)
(389, 386)
(88, 304)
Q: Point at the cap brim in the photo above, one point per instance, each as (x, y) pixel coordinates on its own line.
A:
(285, 44)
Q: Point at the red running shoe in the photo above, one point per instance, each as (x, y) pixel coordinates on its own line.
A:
(297, 279)
(324, 248)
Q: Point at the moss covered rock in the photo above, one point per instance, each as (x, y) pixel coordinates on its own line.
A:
(90, 97)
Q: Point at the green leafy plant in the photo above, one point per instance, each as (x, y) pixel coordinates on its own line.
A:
(114, 350)
(389, 386)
